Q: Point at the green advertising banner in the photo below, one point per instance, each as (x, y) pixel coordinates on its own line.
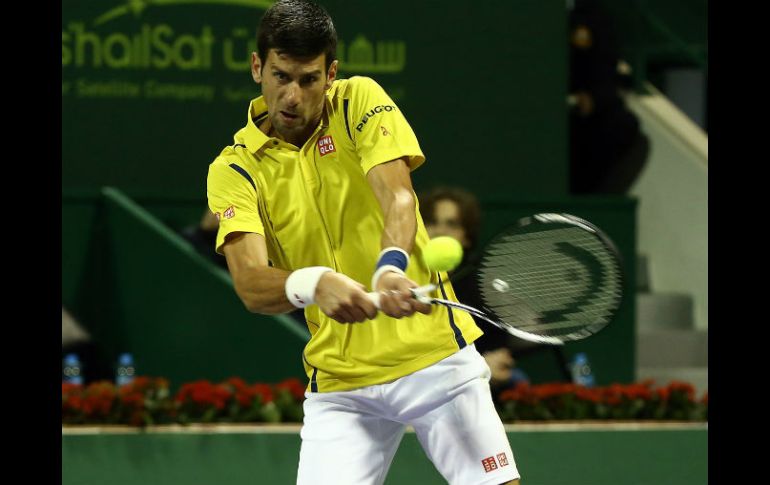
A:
(152, 90)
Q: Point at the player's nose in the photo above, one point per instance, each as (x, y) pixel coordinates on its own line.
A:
(293, 95)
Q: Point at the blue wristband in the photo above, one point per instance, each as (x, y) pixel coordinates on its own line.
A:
(393, 257)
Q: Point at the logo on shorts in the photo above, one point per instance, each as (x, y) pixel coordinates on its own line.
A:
(489, 464)
(502, 459)
(229, 213)
(326, 145)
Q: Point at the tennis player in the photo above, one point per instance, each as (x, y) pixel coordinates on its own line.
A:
(316, 208)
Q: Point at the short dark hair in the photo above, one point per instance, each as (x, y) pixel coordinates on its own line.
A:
(299, 28)
(470, 209)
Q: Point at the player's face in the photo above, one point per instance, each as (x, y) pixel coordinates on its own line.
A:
(294, 90)
(447, 222)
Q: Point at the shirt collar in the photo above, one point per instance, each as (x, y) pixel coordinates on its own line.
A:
(255, 138)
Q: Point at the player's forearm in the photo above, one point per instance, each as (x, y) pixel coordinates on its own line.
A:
(400, 221)
(392, 186)
(262, 289)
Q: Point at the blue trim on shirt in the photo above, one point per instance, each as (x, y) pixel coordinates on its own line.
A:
(345, 108)
(244, 173)
(313, 382)
(458, 334)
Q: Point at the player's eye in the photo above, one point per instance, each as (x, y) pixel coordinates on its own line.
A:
(309, 80)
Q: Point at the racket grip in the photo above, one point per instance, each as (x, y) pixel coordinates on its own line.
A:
(375, 297)
(420, 293)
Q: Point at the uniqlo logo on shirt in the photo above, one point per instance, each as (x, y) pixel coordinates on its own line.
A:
(502, 459)
(326, 145)
(229, 213)
(489, 464)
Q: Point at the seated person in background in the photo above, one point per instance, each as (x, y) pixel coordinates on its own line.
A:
(454, 212)
(608, 149)
(203, 237)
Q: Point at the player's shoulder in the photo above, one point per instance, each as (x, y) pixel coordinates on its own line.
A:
(234, 152)
(350, 87)
(229, 156)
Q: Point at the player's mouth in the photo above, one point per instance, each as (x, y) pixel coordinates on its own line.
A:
(289, 117)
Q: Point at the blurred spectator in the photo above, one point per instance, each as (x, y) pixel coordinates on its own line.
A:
(203, 237)
(451, 211)
(607, 147)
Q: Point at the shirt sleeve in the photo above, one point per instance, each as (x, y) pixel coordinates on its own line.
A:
(233, 198)
(379, 129)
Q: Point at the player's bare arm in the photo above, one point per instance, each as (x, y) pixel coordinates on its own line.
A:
(262, 289)
(392, 186)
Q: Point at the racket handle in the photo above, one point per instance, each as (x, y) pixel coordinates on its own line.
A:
(420, 293)
(375, 297)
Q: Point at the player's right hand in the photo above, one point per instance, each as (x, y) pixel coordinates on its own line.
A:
(395, 298)
(343, 298)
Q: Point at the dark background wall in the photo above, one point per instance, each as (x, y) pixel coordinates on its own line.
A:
(151, 95)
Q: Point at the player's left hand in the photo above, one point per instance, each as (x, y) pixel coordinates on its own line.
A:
(395, 298)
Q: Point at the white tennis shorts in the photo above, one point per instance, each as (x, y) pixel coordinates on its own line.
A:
(350, 437)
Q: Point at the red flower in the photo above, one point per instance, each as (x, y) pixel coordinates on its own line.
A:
(593, 395)
(69, 388)
(264, 391)
(636, 391)
(98, 399)
(71, 400)
(294, 386)
(132, 399)
(237, 383)
(245, 397)
(509, 395)
(683, 387)
(204, 393)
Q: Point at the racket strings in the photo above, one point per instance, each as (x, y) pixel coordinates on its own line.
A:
(558, 280)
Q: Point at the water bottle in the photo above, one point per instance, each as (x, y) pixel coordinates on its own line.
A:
(72, 371)
(581, 371)
(125, 372)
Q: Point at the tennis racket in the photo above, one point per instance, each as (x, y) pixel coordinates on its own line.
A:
(551, 278)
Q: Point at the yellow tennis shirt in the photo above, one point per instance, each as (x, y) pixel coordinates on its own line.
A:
(315, 207)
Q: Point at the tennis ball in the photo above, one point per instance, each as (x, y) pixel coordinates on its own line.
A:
(500, 285)
(443, 253)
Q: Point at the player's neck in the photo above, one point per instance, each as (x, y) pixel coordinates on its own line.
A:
(299, 140)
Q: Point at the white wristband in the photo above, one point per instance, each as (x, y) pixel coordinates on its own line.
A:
(382, 270)
(301, 284)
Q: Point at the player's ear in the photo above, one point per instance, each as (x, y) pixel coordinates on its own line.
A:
(332, 74)
(256, 68)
